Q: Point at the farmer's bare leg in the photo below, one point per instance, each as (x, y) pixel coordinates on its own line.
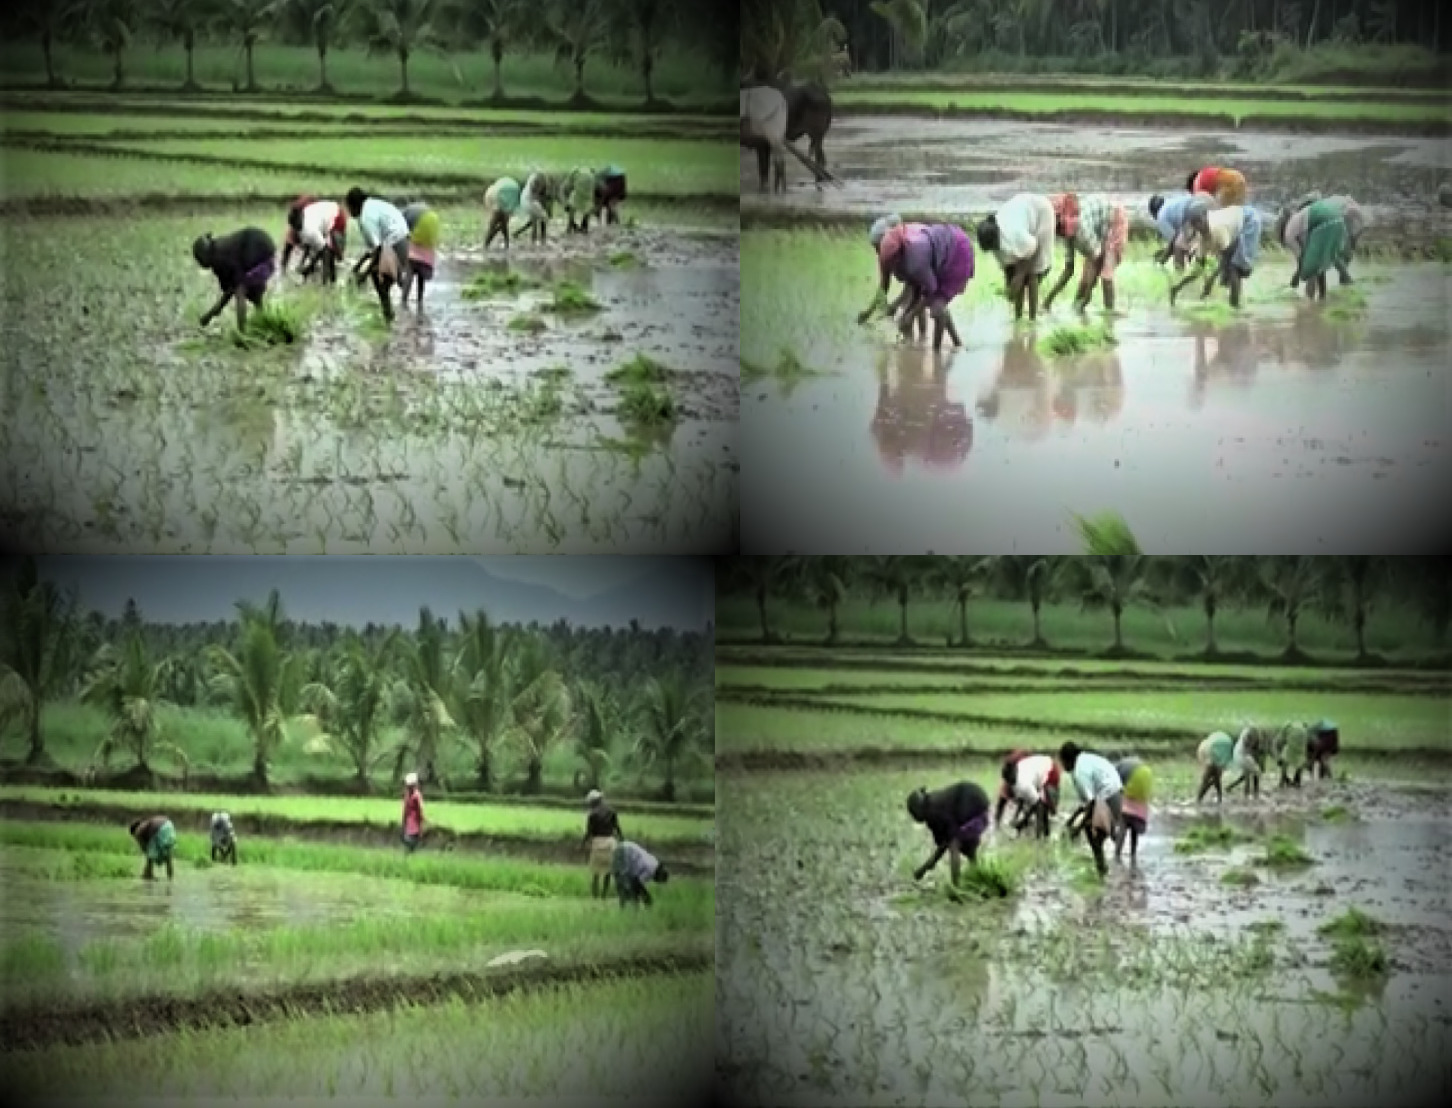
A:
(146, 874)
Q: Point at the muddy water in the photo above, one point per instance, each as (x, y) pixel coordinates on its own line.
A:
(1288, 431)
(447, 433)
(221, 898)
(886, 999)
(956, 166)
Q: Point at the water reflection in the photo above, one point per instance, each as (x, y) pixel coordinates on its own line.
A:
(1232, 355)
(1029, 394)
(1234, 361)
(915, 416)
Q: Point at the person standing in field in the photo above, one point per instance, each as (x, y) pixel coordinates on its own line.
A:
(224, 839)
(423, 244)
(602, 832)
(1101, 798)
(1138, 783)
(157, 838)
(385, 233)
(1021, 234)
(1097, 228)
(242, 263)
(1226, 185)
(1032, 782)
(1214, 754)
(413, 814)
(501, 201)
(634, 868)
(957, 817)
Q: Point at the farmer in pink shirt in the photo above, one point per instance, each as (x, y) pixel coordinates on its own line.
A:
(413, 816)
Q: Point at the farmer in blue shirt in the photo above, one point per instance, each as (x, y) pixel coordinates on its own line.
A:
(1101, 796)
(1175, 219)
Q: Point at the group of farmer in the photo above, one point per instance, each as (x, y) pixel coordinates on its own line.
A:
(1113, 791)
(400, 240)
(612, 857)
(1211, 225)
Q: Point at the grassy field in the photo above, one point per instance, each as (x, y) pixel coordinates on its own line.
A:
(679, 77)
(1391, 631)
(1188, 108)
(560, 1042)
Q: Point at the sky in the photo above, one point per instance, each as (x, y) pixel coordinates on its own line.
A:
(590, 591)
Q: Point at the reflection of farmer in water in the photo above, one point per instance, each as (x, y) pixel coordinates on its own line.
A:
(1028, 394)
(1315, 341)
(1235, 359)
(915, 417)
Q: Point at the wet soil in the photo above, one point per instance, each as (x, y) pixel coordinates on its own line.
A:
(963, 168)
(130, 1019)
(695, 857)
(1294, 429)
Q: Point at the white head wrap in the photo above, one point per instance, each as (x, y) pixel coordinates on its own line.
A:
(881, 228)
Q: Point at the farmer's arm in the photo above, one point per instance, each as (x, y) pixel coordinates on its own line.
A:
(1092, 268)
(230, 285)
(878, 297)
(937, 857)
(1064, 275)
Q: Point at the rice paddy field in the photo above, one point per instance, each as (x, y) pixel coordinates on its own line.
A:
(575, 397)
(1268, 422)
(1290, 949)
(320, 967)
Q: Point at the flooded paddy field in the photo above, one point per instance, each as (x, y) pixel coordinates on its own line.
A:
(575, 397)
(1229, 431)
(1293, 948)
(366, 970)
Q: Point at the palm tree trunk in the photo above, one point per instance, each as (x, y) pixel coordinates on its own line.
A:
(45, 48)
(485, 770)
(37, 741)
(1210, 647)
(963, 622)
(403, 64)
(668, 794)
(535, 776)
(580, 78)
(118, 77)
(323, 85)
(647, 65)
(1036, 605)
(761, 614)
(498, 53)
(1360, 622)
(251, 78)
(1118, 637)
(190, 45)
(832, 623)
(1293, 616)
(902, 603)
(259, 769)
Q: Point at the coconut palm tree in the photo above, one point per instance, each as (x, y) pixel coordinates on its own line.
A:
(822, 583)
(48, 21)
(763, 577)
(350, 705)
(541, 712)
(479, 690)
(1288, 585)
(794, 35)
(179, 21)
(962, 577)
(320, 22)
(1115, 582)
(1352, 586)
(260, 682)
(909, 22)
(1428, 583)
(642, 35)
(594, 735)
(499, 25)
(402, 28)
(673, 732)
(1210, 580)
(130, 691)
(112, 24)
(38, 627)
(246, 21)
(1029, 577)
(580, 30)
(896, 576)
(420, 699)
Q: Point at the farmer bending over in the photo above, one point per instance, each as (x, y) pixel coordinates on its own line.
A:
(224, 840)
(157, 839)
(1137, 781)
(1032, 781)
(385, 233)
(1101, 796)
(243, 263)
(602, 832)
(957, 817)
(1247, 756)
(1323, 743)
(634, 868)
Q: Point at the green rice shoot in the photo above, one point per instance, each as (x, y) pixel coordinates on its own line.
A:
(647, 405)
(527, 324)
(497, 283)
(1209, 836)
(641, 369)
(1240, 878)
(1069, 339)
(1284, 853)
(1352, 923)
(571, 298)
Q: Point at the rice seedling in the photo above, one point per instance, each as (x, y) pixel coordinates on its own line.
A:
(645, 405)
(1337, 813)
(1356, 956)
(641, 369)
(1352, 923)
(527, 324)
(1282, 852)
(494, 283)
(1202, 837)
(1240, 878)
(1069, 339)
(1213, 312)
(276, 323)
(569, 298)
(990, 878)
(624, 259)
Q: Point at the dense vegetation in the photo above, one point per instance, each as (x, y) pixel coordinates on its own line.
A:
(375, 700)
(571, 35)
(1343, 590)
(1337, 41)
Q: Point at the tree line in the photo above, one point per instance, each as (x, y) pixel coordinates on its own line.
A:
(933, 34)
(612, 694)
(1343, 588)
(630, 32)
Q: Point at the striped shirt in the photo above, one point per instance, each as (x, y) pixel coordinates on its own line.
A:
(1095, 213)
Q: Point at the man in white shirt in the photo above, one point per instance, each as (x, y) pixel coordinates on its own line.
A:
(385, 234)
(1021, 234)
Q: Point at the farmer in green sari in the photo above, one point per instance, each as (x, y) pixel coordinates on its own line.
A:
(1326, 243)
(577, 194)
(157, 838)
(1294, 231)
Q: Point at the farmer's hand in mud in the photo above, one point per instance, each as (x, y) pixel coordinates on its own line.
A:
(1295, 279)
(207, 318)
(865, 314)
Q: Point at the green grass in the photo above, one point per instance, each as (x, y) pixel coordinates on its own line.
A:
(1239, 878)
(527, 324)
(1393, 631)
(1358, 957)
(1066, 340)
(1050, 104)
(1203, 837)
(1282, 852)
(33, 174)
(497, 283)
(642, 369)
(647, 406)
(558, 1043)
(570, 298)
(679, 76)
(488, 819)
(1352, 923)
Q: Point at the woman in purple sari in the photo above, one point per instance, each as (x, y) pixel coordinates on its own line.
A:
(934, 262)
(243, 263)
(957, 816)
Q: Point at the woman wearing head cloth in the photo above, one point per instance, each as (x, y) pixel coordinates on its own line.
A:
(957, 817)
(936, 264)
(875, 236)
(1097, 228)
(1333, 249)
